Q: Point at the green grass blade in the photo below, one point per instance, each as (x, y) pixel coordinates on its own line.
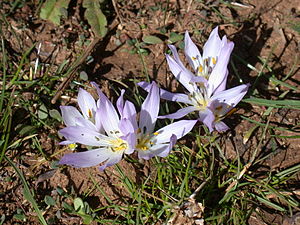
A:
(27, 192)
(295, 104)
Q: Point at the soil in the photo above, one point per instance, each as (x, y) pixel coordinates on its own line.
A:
(263, 29)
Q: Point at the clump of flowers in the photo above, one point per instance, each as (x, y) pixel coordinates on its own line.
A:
(101, 128)
(110, 132)
(206, 87)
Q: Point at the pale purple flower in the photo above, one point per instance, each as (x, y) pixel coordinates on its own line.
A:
(211, 66)
(149, 142)
(207, 93)
(72, 117)
(109, 145)
(211, 108)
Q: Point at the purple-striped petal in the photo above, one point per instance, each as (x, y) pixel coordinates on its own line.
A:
(176, 57)
(87, 158)
(125, 126)
(182, 75)
(179, 128)
(175, 97)
(230, 97)
(129, 112)
(191, 52)
(213, 45)
(222, 85)
(120, 102)
(66, 142)
(221, 126)
(82, 122)
(161, 150)
(180, 113)
(131, 139)
(149, 110)
(108, 114)
(87, 103)
(165, 152)
(114, 159)
(207, 117)
(82, 135)
(69, 115)
(219, 74)
(98, 122)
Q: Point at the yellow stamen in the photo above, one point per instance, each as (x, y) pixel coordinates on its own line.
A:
(118, 145)
(214, 61)
(155, 133)
(143, 143)
(72, 146)
(200, 69)
(90, 113)
(194, 58)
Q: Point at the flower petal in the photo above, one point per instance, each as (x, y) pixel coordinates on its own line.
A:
(87, 158)
(221, 126)
(66, 142)
(182, 75)
(161, 150)
(125, 126)
(180, 113)
(98, 123)
(131, 139)
(86, 103)
(213, 45)
(115, 158)
(82, 122)
(108, 114)
(176, 97)
(176, 57)
(191, 52)
(219, 74)
(83, 135)
(179, 128)
(222, 85)
(69, 115)
(230, 98)
(129, 112)
(207, 117)
(167, 150)
(120, 102)
(149, 110)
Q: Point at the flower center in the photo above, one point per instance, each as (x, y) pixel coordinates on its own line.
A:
(145, 141)
(199, 98)
(205, 66)
(118, 144)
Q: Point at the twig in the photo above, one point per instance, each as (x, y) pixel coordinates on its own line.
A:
(72, 70)
(242, 5)
(117, 11)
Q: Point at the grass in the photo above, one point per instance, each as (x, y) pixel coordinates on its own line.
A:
(231, 190)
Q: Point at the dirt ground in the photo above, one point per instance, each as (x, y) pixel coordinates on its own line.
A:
(263, 28)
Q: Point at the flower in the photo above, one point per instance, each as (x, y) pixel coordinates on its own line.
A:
(101, 129)
(160, 142)
(211, 67)
(72, 117)
(206, 88)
